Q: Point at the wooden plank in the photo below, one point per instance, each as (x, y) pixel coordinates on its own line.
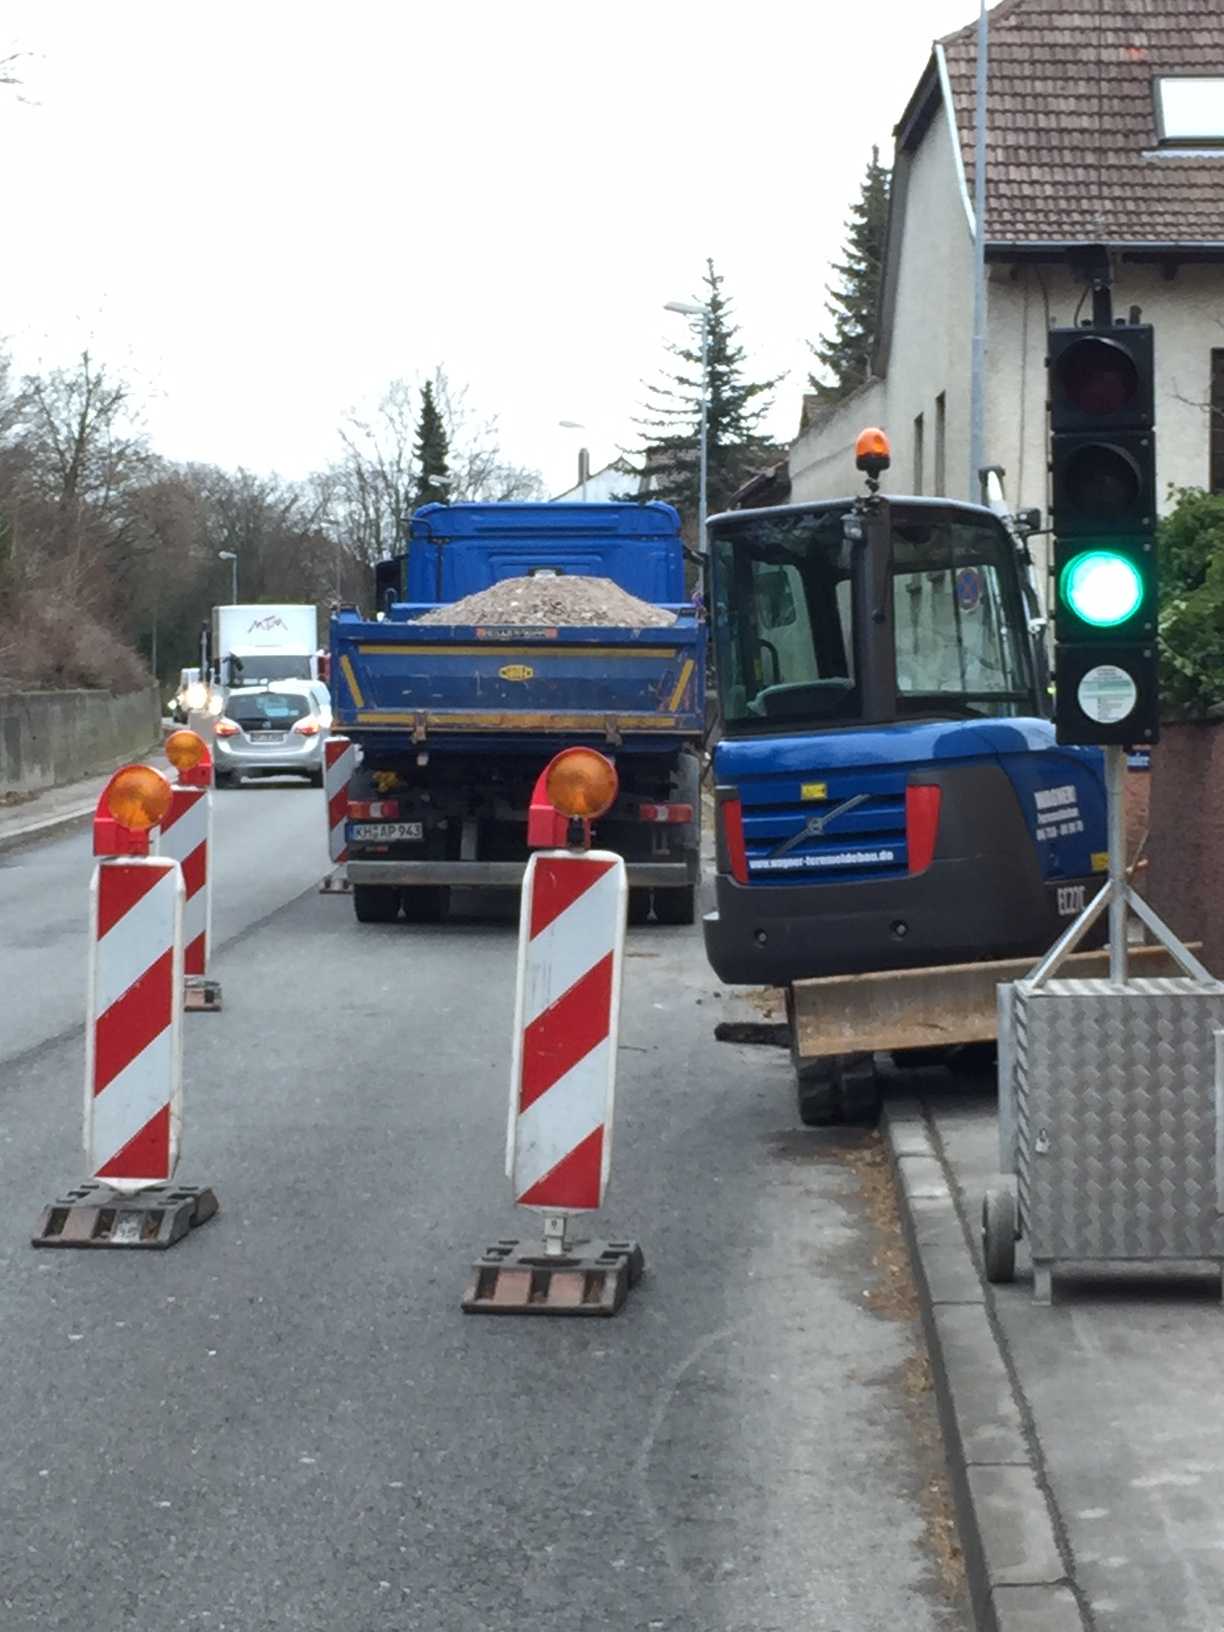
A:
(928, 1008)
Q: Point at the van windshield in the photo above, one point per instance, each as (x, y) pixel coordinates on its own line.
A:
(784, 621)
(255, 667)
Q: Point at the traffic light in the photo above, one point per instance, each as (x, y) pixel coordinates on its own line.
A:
(1103, 486)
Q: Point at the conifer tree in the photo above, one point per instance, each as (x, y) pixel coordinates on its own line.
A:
(846, 352)
(669, 457)
(430, 453)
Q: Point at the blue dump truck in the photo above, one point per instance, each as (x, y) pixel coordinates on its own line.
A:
(890, 798)
(454, 721)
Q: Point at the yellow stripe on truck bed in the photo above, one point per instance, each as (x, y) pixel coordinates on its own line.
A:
(594, 723)
(494, 648)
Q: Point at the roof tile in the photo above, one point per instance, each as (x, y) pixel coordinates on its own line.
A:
(1072, 149)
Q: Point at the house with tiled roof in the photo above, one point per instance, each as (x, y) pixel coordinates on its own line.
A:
(1105, 126)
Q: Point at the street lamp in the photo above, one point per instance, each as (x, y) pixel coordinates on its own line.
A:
(690, 308)
(231, 557)
(584, 458)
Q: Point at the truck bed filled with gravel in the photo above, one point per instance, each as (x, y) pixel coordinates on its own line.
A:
(561, 601)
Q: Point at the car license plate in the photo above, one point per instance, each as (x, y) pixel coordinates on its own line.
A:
(385, 832)
(265, 736)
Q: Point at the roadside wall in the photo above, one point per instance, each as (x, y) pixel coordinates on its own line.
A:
(51, 737)
(1186, 844)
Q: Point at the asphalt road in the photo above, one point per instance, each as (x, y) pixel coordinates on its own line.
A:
(286, 1422)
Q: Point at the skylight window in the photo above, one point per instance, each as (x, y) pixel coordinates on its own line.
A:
(1190, 111)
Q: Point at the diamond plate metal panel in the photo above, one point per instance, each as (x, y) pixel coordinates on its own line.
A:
(1115, 1137)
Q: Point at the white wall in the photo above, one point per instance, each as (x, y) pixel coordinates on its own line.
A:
(1188, 314)
(930, 348)
(933, 318)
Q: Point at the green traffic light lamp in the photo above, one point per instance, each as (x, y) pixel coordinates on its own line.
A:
(1102, 588)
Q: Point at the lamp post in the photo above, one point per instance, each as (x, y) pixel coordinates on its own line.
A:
(689, 308)
(232, 558)
(584, 458)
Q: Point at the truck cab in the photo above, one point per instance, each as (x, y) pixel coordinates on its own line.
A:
(889, 790)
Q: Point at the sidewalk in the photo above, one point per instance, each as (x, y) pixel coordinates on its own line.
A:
(1086, 1438)
(57, 810)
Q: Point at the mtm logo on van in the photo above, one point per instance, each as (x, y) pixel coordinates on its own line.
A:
(272, 621)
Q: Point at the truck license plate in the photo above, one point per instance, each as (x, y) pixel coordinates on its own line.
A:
(385, 832)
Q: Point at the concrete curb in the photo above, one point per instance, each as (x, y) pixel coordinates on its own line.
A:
(1018, 1576)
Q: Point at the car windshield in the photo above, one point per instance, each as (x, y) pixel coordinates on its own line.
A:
(257, 666)
(784, 621)
(266, 710)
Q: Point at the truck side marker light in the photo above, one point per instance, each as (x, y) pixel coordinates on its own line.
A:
(733, 834)
(921, 825)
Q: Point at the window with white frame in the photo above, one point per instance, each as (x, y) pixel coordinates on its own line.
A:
(1190, 110)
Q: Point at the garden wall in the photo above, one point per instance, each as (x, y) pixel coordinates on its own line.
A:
(51, 737)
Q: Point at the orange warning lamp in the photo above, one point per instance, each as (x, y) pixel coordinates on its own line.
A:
(872, 452)
(188, 753)
(581, 782)
(573, 788)
(135, 800)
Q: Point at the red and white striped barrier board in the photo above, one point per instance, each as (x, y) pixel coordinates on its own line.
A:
(186, 836)
(340, 761)
(133, 1061)
(567, 1007)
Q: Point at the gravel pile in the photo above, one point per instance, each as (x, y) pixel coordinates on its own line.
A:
(564, 601)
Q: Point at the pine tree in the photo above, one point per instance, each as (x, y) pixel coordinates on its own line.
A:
(669, 459)
(430, 453)
(846, 353)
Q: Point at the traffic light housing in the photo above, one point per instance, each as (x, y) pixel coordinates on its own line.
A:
(1103, 500)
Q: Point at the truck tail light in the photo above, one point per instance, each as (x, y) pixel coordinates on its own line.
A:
(665, 813)
(733, 837)
(921, 825)
(373, 810)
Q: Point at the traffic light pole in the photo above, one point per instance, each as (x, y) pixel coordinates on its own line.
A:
(1115, 796)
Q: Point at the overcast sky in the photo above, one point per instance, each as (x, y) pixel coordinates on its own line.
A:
(262, 212)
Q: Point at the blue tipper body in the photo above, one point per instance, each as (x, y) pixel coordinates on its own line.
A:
(399, 676)
(456, 720)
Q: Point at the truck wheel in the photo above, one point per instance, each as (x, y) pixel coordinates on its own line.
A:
(426, 903)
(375, 903)
(999, 1236)
(676, 906)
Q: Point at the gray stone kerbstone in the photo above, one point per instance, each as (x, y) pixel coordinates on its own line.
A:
(987, 1419)
(1017, 1537)
(1036, 1609)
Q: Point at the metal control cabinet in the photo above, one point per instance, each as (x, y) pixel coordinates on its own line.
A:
(1111, 1119)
